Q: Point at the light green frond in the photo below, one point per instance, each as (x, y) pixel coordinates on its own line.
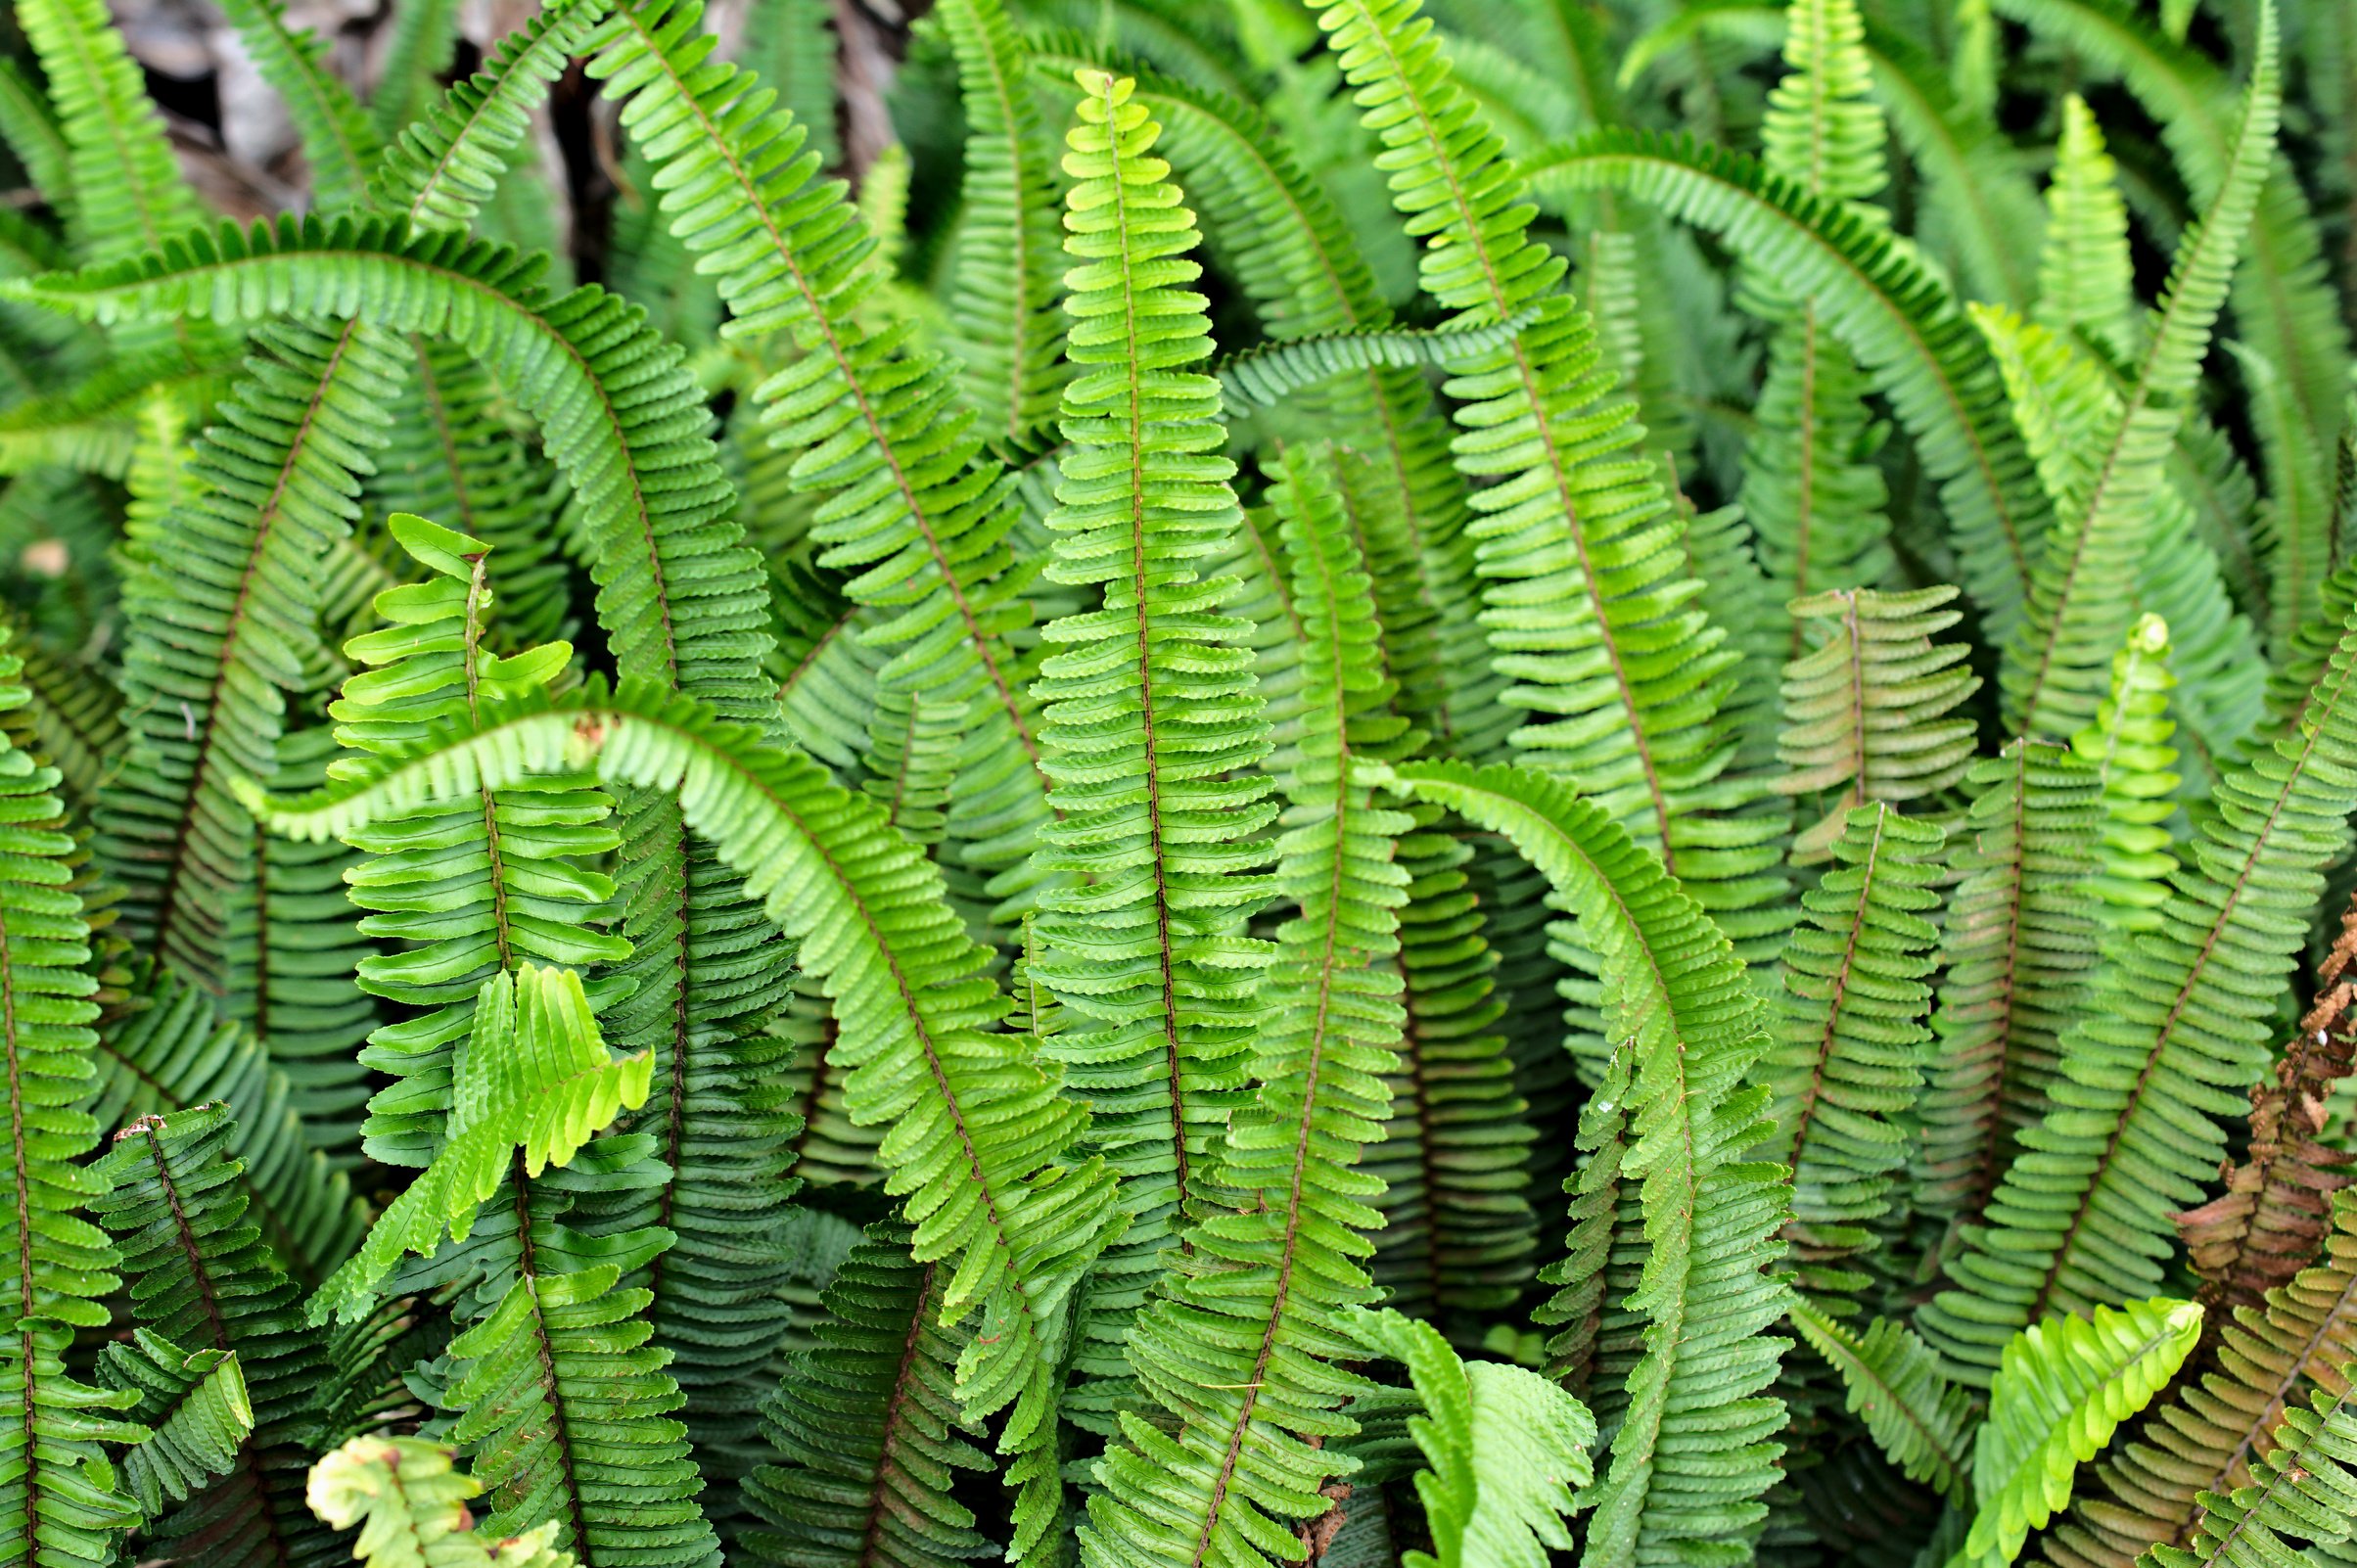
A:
(1817, 502)
(1822, 130)
(1507, 1450)
(410, 1503)
(1892, 1382)
(1695, 1447)
(2064, 1386)
(2085, 282)
(1866, 712)
(128, 193)
(1267, 376)
(2128, 746)
(1851, 1047)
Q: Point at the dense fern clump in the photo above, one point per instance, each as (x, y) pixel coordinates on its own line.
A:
(1180, 784)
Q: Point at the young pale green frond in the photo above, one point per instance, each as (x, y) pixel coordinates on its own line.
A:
(443, 167)
(1893, 1383)
(410, 1503)
(1902, 324)
(2064, 1386)
(1152, 717)
(1235, 1345)
(2166, 1047)
(1585, 598)
(2085, 279)
(1866, 712)
(2083, 589)
(1505, 1451)
(867, 1425)
(222, 610)
(1002, 296)
(203, 1277)
(2127, 744)
(1695, 1447)
(531, 1084)
(1850, 1046)
(2020, 948)
(339, 144)
(912, 999)
(1822, 130)
(195, 1407)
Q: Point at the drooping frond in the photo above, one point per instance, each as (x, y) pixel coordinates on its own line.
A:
(531, 1084)
(1850, 1043)
(1505, 1449)
(2127, 744)
(2020, 951)
(2206, 1437)
(1584, 590)
(1253, 1305)
(2064, 1386)
(1153, 724)
(195, 1405)
(915, 1015)
(2273, 1215)
(55, 1265)
(1868, 711)
(222, 611)
(1903, 325)
(203, 1277)
(1002, 294)
(410, 1503)
(2085, 282)
(2165, 1049)
(1693, 1447)
(868, 1428)
(339, 144)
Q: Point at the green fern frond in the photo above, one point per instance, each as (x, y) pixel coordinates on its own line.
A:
(2128, 746)
(869, 1427)
(1850, 1044)
(2166, 1049)
(1693, 1447)
(195, 1407)
(1867, 713)
(2085, 282)
(1161, 811)
(791, 46)
(1892, 1382)
(423, 41)
(339, 144)
(2064, 1385)
(1903, 325)
(71, 716)
(530, 1086)
(1267, 376)
(410, 1503)
(2307, 1491)
(30, 128)
(1004, 288)
(1506, 1450)
(128, 193)
(202, 1276)
(2020, 951)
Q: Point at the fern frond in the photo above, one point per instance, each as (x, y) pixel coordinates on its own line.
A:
(2085, 282)
(869, 1427)
(534, 1082)
(202, 1276)
(2127, 744)
(2165, 1049)
(2305, 1491)
(1152, 716)
(425, 39)
(1866, 711)
(71, 716)
(1267, 376)
(411, 1506)
(2064, 1385)
(128, 193)
(1004, 287)
(1901, 322)
(339, 144)
(1695, 1447)
(1892, 1382)
(790, 45)
(1505, 1448)
(2020, 951)
(1851, 1045)
(195, 1407)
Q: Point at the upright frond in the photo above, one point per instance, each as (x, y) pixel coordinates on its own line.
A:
(128, 193)
(2127, 744)
(339, 144)
(2084, 275)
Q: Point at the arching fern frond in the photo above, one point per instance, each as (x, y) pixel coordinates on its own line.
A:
(1693, 1448)
(1267, 376)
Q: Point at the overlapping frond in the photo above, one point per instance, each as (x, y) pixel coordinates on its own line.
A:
(202, 1276)
(1693, 1446)
(1870, 712)
(1850, 1043)
(2166, 1047)
(195, 1405)
(128, 193)
(2020, 946)
(2127, 744)
(1893, 1383)
(2085, 281)
(339, 144)
(410, 1503)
